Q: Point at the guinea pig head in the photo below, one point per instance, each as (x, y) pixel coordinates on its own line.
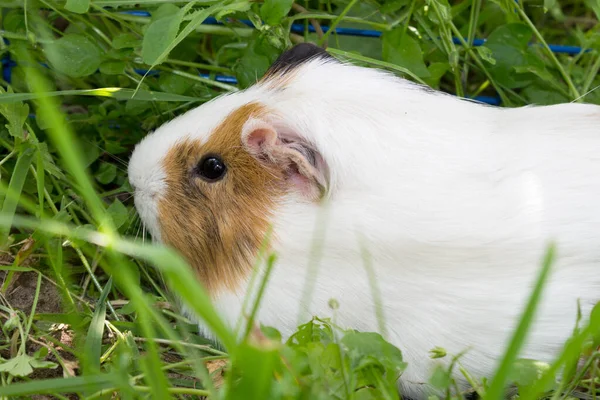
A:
(211, 192)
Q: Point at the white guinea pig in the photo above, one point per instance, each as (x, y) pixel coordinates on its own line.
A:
(454, 201)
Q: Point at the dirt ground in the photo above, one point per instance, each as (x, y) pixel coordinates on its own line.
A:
(20, 295)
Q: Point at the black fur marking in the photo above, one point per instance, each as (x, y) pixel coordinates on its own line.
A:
(296, 56)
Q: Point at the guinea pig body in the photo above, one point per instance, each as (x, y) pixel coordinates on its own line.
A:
(453, 204)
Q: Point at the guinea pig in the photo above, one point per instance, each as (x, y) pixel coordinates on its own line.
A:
(454, 202)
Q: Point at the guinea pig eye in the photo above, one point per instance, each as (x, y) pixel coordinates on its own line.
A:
(211, 168)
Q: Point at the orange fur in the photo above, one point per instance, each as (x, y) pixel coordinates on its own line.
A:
(228, 218)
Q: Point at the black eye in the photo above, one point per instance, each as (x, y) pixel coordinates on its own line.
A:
(211, 168)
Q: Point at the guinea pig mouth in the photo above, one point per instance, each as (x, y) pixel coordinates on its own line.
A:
(145, 205)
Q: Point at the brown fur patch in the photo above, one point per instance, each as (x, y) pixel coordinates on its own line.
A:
(219, 226)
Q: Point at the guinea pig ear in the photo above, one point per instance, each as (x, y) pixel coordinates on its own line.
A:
(302, 164)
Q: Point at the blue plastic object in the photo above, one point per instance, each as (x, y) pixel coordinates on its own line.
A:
(8, 64)
(299, 28)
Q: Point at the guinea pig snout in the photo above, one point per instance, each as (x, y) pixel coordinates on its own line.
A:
(147, 179)
(147, 188)
(146, 197)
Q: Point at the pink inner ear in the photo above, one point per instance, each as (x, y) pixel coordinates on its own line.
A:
(259, 138)
(262, 140)
(256, 139)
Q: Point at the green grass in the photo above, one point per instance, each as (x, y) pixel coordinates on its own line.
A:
(85, 302)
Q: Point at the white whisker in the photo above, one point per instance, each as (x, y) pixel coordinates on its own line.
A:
(585, 94)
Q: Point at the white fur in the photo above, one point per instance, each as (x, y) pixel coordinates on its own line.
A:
(454, 201)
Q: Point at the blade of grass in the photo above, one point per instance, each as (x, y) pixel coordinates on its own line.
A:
(40, 174)
(93, 341)
(373, 286)
(261, 290)
(229, 88)
(113, 92)
(336, 22)
(62, 137)
(15, 187)
(570, 354)
(473, 20)
(66, 385)
(354, 20)
(36, 297)
(574, 92)
(373, 61)
(496, 390)
(151, 366)
(312, 270)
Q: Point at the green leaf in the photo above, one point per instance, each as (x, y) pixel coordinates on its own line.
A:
(316, 330)
(401, 49)
(113, 67)
(256, 60)
(106, 173)
(232, 9)
(436, 71)
(74, 55)
(118, 212)
(126, 41)
(369, 348)
(271, 333)
(508, 45)
(18, 366)
(90, 154)
(440, 379)
(48, 161)
(392, 6)
(445, 12)
(159, 35)
(78, 6)
(136, 107)
(515, 35)
(526, 372)
(41, 353)
(14, 21)
(165, 10)
(485, 54)
(542, 95)
(93, 340)
(197, 18)
(273, 11)
(42, 364)
(16, 115)
(171, 83)
(12, 322)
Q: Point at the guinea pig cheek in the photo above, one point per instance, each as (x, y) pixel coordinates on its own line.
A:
(220, 226)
